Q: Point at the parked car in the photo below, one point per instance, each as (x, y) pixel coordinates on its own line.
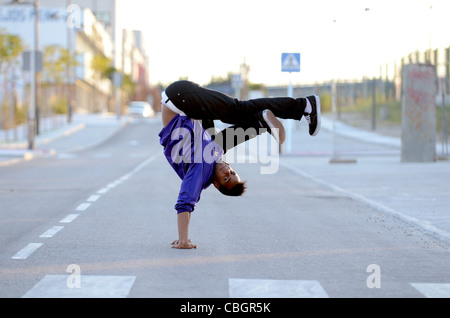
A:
(140, 109)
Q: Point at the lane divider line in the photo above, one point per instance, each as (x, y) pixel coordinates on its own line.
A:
(69, 218)
(103, 190)
(83, 206)
(51, 231)
(27, 250)
(93, 198)
(32, 247)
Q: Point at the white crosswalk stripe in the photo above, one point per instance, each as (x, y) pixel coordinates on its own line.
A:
(90, 286)
(433, 290)
(271, 288)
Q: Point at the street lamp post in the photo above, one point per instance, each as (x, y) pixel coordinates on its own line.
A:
(69, 70)
(34, 128)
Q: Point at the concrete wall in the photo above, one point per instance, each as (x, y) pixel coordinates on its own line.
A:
(419, 113)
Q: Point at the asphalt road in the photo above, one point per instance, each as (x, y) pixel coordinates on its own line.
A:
(99, 223)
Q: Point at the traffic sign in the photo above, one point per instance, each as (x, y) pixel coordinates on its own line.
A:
(236, 80)
(290, 62)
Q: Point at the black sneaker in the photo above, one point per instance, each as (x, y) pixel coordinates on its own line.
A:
(313, 118)
(274, 127)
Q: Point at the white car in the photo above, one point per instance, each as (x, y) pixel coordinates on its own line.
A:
(140, 109)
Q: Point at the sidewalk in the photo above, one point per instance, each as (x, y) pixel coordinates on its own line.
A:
(85, 131)
(417, 193)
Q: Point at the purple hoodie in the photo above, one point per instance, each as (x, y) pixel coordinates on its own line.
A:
(193, 155)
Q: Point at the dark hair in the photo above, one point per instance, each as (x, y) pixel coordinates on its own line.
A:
(235, 191)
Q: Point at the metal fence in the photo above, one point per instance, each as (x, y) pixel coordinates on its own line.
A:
(375, 104)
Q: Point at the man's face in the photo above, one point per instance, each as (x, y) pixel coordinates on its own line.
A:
(224, 175)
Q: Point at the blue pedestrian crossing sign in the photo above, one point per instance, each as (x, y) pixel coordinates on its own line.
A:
(290, 62)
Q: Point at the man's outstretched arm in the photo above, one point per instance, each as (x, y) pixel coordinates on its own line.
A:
(183, 232)
(190, 190)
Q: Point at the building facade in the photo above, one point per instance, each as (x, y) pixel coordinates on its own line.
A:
(86, 31)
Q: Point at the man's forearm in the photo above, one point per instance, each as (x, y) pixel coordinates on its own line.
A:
(183, 226)
(183, 232)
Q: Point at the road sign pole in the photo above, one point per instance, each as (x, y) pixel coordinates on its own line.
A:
(290, 62)
(289, 122)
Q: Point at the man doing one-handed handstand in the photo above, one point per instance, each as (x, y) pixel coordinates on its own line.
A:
(195, 150)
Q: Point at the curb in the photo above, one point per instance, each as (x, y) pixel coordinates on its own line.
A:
(27, 156)
(424, 226)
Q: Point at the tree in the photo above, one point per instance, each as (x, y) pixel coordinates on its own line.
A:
(101, 66)
(11, 46)
(128, 87)
(57, 59)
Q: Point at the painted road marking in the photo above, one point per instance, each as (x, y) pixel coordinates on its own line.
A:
(66, 156)
(103, 190)
(27, 250)
(270, 288)
(69, 218)
(114, 184)
(102, 155)
(32, 247)
(90, 286)
(51, 231)
(433, 290)
(83, 206)
(93, 198)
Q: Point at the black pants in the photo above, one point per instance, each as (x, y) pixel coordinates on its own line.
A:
(208, 105)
